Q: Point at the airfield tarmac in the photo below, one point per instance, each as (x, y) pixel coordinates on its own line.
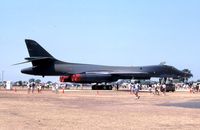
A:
(105, 110)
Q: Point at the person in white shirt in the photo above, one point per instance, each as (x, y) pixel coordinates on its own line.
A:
(132, 87)
(137, 87)
(164, 89)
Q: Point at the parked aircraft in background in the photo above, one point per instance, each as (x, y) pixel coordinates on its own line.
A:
(45, 64)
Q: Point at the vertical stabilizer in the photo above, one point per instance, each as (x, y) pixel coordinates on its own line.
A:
(35, 50)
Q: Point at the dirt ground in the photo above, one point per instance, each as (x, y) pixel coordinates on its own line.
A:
(98, 110)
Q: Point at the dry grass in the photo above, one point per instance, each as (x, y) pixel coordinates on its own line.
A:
(85, 110)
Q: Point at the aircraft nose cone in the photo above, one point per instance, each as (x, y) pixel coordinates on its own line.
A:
(27, 71)
(190, 75)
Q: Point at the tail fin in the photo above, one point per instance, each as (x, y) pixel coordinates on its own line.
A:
(38, 55)
(35, 50)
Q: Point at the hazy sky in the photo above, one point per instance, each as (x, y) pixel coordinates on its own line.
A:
(107, 32)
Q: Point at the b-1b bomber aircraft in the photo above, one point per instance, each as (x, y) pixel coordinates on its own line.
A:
(44, 64)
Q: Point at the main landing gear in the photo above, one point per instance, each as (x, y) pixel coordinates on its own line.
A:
(102, 87)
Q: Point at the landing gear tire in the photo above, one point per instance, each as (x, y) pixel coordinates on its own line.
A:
(102, 87)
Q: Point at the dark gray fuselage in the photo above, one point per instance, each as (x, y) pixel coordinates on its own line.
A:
(63, 68)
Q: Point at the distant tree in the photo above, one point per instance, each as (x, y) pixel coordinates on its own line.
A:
(162, 63)
(20, 83)
(31, 80)
(25, 83)
(183, 79)
(49, 82)
(37, 80)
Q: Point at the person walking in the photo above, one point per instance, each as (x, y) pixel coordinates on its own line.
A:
(29, 87)
(150, 88)
(136, 90)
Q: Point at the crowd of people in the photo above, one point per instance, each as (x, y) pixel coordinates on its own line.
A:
(158, 88)
(135, 87)
(153, 89)
(32, 86)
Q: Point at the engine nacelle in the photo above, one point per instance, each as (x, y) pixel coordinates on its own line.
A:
(87, 78)
(91, 78)
(65, 79)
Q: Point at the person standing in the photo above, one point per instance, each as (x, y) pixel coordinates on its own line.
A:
(33, 86)
(164, 89)
(117, 86)
(132, 87)
(56, 87)
(197, 88)
(39, 88)
(156, 89)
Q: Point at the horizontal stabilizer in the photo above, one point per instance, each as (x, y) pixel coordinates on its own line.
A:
(38, 58)
(41, 60)
(22, 63)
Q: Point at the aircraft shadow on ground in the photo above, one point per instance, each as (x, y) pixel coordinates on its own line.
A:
(194, 104)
